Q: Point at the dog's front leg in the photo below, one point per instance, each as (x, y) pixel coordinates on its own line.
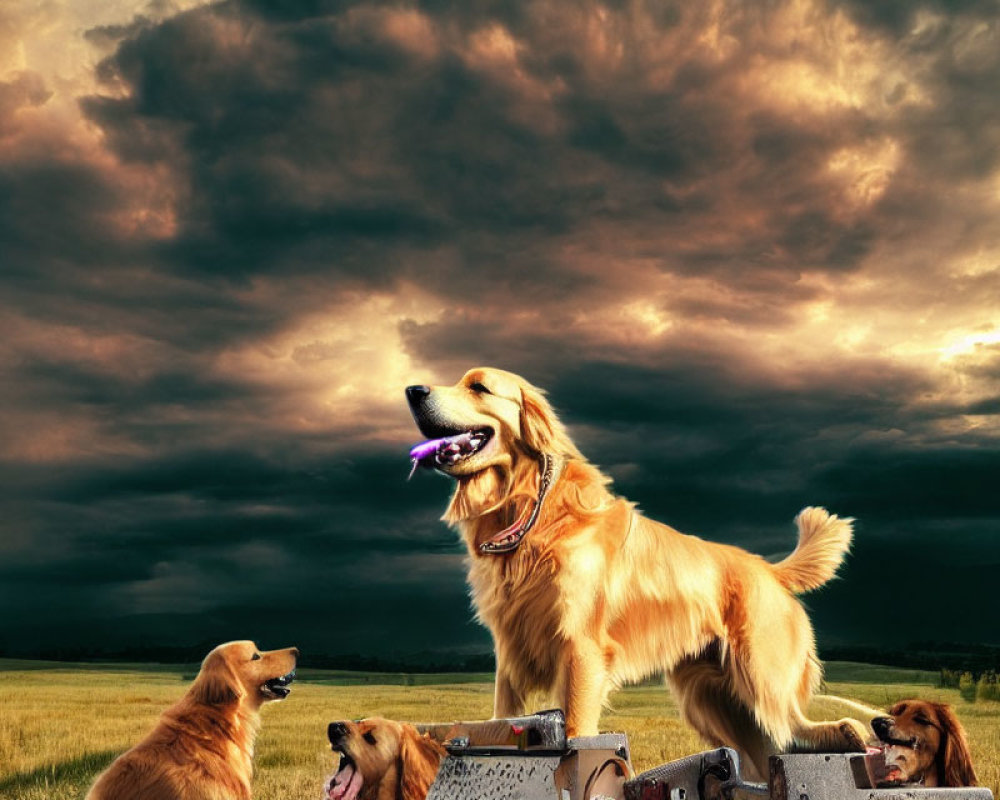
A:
(585, 687)
(506, 701)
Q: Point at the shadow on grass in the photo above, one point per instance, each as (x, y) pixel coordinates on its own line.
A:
(84, 768)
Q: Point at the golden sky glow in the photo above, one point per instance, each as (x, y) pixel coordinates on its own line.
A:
(910, 302)
(752, 251)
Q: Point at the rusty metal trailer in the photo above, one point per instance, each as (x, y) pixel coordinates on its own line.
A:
(530, 758)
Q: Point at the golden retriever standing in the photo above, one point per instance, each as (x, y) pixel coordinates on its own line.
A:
(202, 748)
(925, 743)
(582, 593)
(381, 759)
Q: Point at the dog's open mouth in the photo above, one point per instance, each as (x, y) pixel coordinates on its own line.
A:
(910, 743)
(278, 688)
(449, 450)
(346, 782)
(893, 775)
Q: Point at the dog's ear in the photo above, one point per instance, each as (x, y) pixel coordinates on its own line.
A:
(217, 683)
(541, 430)
(419, 759)
(956, 762)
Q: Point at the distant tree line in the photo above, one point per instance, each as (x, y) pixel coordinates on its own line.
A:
(421, 662)
(950, 659)
(972, 688)
(975, 659)
(416, 663)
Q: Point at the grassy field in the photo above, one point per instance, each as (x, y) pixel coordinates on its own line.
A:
(61, 724)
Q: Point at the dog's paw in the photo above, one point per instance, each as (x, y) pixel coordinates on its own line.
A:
(855, 735)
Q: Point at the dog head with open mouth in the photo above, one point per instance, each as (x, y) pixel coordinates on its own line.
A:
(487, 431)
(381, 759)
(240, 672)
(924, 743)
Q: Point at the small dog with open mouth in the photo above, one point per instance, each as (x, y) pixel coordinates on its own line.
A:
(924, 744)
(381, 759)
(582, 593)
(202, 748)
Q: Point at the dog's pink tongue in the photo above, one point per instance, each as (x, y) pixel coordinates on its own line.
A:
(345, 785)
(421, 451)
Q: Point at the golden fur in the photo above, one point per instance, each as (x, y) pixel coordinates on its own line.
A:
(382, 760)
(202, 748)
(597, 594)
(925, 743)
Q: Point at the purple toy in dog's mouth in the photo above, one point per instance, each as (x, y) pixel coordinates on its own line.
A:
(448, 450)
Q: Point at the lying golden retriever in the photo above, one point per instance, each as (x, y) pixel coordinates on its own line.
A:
(202, 748)
(924, 744)
(582, 593)
(381, 759)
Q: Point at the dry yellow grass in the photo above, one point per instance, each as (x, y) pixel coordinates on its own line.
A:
(60, 727)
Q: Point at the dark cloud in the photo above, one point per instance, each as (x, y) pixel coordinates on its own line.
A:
(76, 198)
(335, 551)
(750, 251)
(287, 161)
(897, 16)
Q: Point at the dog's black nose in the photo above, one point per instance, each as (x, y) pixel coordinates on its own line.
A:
(417, 393)
(336, 731)
(881, 726)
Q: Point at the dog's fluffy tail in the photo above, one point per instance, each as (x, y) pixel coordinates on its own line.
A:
(824, 539)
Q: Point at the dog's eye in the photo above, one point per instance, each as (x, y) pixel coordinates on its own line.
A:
(369, 737)
(478, 388)
(255, 657)
(921, 721)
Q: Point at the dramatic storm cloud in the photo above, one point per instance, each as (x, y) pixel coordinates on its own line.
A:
(752, 250)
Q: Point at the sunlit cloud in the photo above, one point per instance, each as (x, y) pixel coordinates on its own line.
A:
(749, 249)
(970, 344)
(340, 369)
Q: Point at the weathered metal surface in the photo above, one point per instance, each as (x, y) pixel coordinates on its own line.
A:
(615, 742)
(712, 775)
(490, 777)
(530, 758)
(845, 776)
(681, 776)
(545, 730)
(586, 767)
